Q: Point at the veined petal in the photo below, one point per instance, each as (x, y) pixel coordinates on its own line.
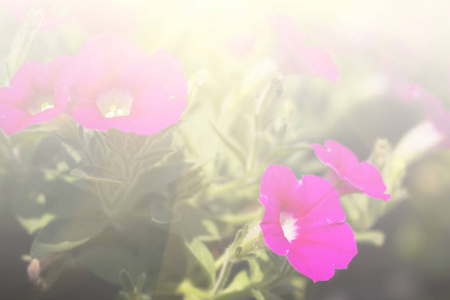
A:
(364, 176)
(280, 185)
(320, 250)
(320, 204)
(119, 87)
(305, 221)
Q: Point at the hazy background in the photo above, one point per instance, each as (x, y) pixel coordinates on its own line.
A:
(373, 43)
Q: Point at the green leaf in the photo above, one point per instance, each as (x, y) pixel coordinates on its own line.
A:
(107, 262)
(258, 267)
(204, 257)
(65, 234)
(153, 156)
(140, 283)
(160, 213)
(31, 225)
(126, 281)
(374, 237)
(96, 174)
(193, 222)
(264, 295)
(239, 282)
(160, 176)
(235, 149)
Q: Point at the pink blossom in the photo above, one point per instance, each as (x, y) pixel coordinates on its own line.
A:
(433, 107)
(348, 174)
(119, 87)
(37, 93)
(296, 56)
(305, 221)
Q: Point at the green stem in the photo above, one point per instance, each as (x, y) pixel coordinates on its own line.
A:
(223, 275)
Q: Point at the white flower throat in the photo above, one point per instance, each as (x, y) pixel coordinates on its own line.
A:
(40, 104)
(115, 103)
(288, 224)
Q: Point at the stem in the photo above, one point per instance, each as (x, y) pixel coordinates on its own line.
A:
(223, 275)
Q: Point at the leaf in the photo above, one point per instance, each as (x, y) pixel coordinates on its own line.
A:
(259, 267)
(193, 222)
(374, 237)
(126, 281)
(239, 282)
(153, 156)
(65, 234)
(140, 283)
(107, 262)
(264, 295)
(240, 155)
(160, 213)
(33, 224)
(204, 257)
(97, 174)
(160, 177)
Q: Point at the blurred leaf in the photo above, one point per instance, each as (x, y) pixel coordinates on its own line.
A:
(239, 282)
(374, 237)
(152, 157)
(65, 234)
(258, 267)
(160, 177)
(235, 149)
(96, 174)
(160, 213)
(140, 283)
(23, 40)
(126, 281)
(107, 262)
(204, 257)
(31, 225)
(195, 224)
(264, 295)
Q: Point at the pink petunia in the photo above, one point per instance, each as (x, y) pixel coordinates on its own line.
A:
(305, 221)
(120, 87)
(37, 93)
(432, 106)
(348, 174)
(296, 56)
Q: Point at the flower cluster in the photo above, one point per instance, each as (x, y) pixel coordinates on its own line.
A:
(304, 219)
(111, 83)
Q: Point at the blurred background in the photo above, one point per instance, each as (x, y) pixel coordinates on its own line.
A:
(377, 47)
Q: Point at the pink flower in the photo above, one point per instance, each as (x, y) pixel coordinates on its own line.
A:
(305, 221)
(432, 106)
(119, 87)
(296, 56)
(37, 93)
(348, 174)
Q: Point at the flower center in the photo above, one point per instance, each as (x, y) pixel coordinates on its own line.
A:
(290, 229)
(115, 103)
(40, 104)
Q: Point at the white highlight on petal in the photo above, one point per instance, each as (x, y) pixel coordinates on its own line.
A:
(115, 103)
(290, 229)
(41, 103)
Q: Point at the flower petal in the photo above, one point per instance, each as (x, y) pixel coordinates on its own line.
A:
(280, 185)
(320, 203)
(318, 251)
(152, 91)
(364, 176)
